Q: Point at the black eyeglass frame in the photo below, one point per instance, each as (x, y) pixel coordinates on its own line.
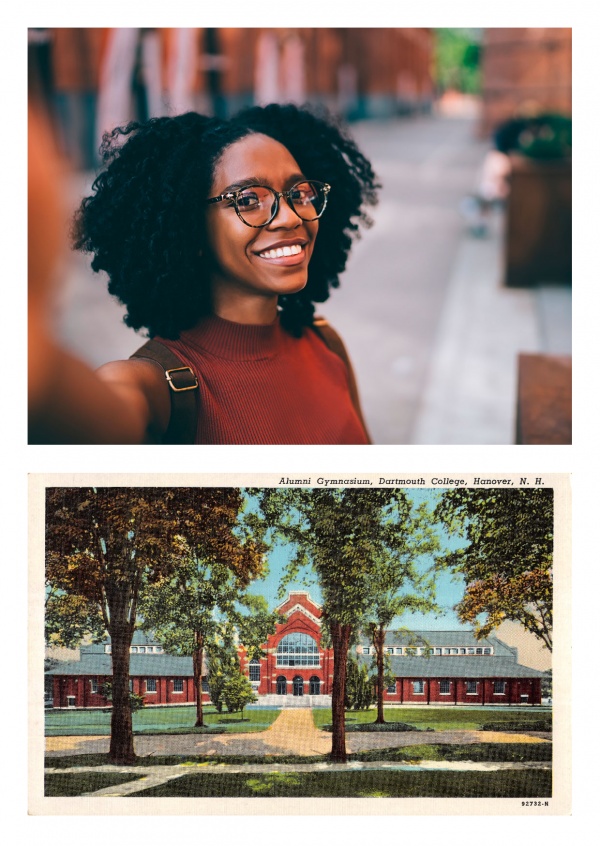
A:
(234, 195)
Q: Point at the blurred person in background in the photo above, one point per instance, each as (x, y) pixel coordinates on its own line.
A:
(219, 237)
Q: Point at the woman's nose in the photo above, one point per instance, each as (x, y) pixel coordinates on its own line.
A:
(285, 216)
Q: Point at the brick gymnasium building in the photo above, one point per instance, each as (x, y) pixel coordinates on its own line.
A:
(451, 668)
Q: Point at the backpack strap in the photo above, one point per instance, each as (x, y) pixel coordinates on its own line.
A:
(184, 391)
(332, 340)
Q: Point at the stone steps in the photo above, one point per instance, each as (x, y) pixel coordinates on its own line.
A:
(307, 701)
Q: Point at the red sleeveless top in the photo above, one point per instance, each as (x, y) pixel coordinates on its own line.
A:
(260, 385)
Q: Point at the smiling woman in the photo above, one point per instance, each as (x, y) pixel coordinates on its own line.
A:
(219, 237)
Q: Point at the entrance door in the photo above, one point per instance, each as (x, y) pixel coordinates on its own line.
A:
(315, 686)
(298, 686)
(281, 686)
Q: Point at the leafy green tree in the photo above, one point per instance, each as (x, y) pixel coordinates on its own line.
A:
(506, 558)
(223, 663)
(237, 693)
(106, 545)
(342, 534)
(401, 583)
(190, 609)
(70, 618)
(359, 687)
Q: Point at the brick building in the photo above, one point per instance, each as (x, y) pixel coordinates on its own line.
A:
(524, 71)
(448, 668)
(454, 668)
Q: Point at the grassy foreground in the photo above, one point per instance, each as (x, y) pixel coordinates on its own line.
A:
(76, 784)
(365, 784)
(438, 719)
(178, 720)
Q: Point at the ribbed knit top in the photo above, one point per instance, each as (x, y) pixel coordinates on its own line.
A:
(260, 385)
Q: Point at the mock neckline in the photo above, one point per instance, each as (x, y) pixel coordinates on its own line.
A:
(235, 341)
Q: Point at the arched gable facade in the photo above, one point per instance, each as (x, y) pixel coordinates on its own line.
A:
(295, 663)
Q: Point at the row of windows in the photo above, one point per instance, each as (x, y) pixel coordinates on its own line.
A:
(150, 685)
(138, 650)
(436, 650)
(472, 687)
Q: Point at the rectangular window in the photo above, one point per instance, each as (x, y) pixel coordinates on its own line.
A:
(418, 686)
(479, 651)
(398, 650)
(470, 651)
(366, 650)
(445, 686)
(499, 687)
(151, 685)
(177, 685)
(255, 672)
(446, 651)
(487, 651)
(134, 649)
(438, 650)
(141, 649)
(205, 688)
(392, 688)
(472, 687)
(94, 685)
(463, 651)
(454, 652)
(389, 650)
(107, 649)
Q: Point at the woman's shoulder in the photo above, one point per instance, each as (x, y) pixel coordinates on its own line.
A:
(142, 383)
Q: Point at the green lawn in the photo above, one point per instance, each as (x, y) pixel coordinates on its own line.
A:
(75, 784)
(439, 719)
(365, 784)
(158, 721)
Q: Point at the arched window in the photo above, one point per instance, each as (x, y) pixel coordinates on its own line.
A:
(297, 650)
(315, 685)
(298, 686)
(281, 686)
(254, 670)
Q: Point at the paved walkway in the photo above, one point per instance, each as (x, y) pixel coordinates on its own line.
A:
(292, 733)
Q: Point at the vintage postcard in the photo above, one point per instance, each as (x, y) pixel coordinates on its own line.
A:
(320, 644)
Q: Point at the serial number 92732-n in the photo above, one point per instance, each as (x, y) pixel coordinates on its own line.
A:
(534, 804)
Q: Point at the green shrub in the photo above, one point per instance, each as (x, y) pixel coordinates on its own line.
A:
(519, 725)
(377, 727)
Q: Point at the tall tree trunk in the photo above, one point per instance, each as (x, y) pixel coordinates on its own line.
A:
(197, 658)
(121, 729)
(378, 641)
(340, 635)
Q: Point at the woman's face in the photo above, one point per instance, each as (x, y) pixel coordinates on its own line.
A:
(245, 263)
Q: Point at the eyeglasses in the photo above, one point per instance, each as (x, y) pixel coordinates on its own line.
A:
(257, 205)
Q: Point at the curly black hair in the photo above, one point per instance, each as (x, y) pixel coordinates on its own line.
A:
(144, 222)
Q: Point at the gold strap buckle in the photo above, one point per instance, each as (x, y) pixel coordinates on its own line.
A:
(173, 386)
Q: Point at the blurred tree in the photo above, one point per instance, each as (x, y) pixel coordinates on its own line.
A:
(457, 60)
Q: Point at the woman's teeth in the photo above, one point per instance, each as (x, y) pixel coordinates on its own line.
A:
(282, 251)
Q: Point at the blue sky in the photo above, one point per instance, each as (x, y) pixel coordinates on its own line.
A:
(449, 592)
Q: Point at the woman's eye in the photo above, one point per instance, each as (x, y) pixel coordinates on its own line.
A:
(248, 200)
